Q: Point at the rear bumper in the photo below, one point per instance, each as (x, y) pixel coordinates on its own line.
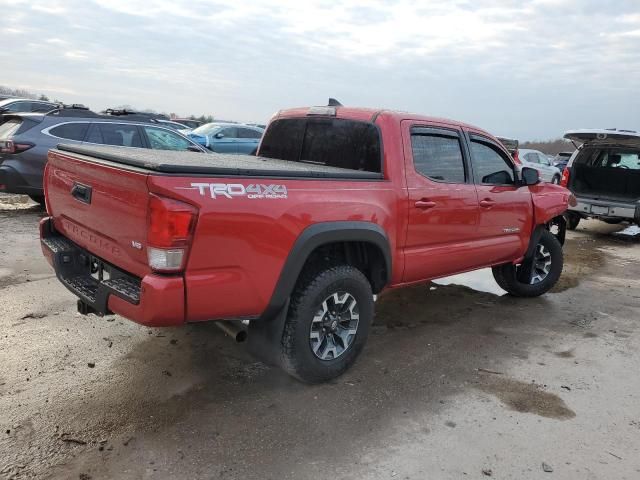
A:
(11, 181)
(587, 207)
(153, 300)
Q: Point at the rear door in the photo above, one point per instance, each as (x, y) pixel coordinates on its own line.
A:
(505, 207)
(248, 140)
(443, 205)
(117, 134)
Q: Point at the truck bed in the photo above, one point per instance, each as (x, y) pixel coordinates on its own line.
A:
(216, 164)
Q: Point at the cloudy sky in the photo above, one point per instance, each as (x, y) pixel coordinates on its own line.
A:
(528, 69)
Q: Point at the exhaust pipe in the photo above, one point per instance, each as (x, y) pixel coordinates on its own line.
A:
(234, 328)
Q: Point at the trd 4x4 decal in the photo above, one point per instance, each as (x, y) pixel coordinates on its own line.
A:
(230, 190)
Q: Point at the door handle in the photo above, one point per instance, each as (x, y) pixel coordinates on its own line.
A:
(487, 203)
(81, 192)
(425, 204)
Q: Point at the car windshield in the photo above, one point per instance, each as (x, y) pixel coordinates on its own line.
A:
(207, 129)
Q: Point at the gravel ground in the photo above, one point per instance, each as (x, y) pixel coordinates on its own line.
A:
(457, 381)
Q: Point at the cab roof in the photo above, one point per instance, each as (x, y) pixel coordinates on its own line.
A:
(371, 114)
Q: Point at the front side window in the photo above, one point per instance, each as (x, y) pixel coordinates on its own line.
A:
(438, 157)
(118, 134)
(490, 167)
(324, 141)
(230, 132)
(18, 107)
(161, 139)
(70, 131)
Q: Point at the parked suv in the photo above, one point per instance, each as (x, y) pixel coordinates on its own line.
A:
(604, 175)
(26, 138)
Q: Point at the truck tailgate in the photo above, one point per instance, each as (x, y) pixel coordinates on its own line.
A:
(100, 207)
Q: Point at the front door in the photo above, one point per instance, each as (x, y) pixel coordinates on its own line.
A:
(443, 205)
(505, 207)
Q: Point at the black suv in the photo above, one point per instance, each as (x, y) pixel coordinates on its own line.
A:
(25, 139)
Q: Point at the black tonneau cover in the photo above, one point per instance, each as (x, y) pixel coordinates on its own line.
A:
(215, 164)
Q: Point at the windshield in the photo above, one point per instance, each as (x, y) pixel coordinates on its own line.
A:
(207, 129)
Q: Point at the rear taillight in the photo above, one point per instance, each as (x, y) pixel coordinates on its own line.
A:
(9, 146)
(171, 225)
(564, 181)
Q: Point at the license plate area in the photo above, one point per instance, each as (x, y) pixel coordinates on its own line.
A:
(598, 210)
(99, 270)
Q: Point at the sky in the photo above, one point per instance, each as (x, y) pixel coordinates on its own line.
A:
(524, 69)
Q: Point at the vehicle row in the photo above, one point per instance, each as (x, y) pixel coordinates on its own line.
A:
(29, 128)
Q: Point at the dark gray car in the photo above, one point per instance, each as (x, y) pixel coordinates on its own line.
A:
(26, 138)
(16, 105)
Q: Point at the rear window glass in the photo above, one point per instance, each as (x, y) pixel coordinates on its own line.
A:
(438, 157)
(118, 134)
(8, 128)
(70, 131)
(333, 142)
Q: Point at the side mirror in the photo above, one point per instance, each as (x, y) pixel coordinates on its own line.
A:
(219, 135)
(530, 176)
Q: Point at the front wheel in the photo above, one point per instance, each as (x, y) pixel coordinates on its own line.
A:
(545, 271)
(555, 180)
(327, 324)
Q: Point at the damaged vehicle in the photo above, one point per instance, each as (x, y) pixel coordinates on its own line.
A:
(604, 175)
(292, 246)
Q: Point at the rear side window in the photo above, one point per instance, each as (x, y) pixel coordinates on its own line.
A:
(333, 142)
(9, 128)
(438, 157)
(490, 167)
(118, 134)
(532, 157)
(248, 133)
(70, 131)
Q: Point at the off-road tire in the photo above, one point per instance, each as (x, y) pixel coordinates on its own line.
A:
(572, 220)
(506, 275)
(297, 356)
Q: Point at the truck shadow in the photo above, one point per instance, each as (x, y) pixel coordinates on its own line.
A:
(218, 405)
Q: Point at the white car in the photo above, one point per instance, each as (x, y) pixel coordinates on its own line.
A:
(542, 163)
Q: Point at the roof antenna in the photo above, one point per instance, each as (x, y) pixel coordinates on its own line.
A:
(334, 103)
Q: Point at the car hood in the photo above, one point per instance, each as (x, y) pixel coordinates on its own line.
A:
(603, 136)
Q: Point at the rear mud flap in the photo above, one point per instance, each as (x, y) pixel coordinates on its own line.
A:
(265, 337)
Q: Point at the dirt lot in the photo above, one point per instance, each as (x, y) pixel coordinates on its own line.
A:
(457, 381)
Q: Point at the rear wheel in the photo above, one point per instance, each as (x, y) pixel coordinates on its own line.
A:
(327, 324)
(545, 271)
(572, 220)
(556, 180)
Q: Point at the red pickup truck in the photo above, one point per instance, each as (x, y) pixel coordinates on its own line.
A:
(339, 204)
